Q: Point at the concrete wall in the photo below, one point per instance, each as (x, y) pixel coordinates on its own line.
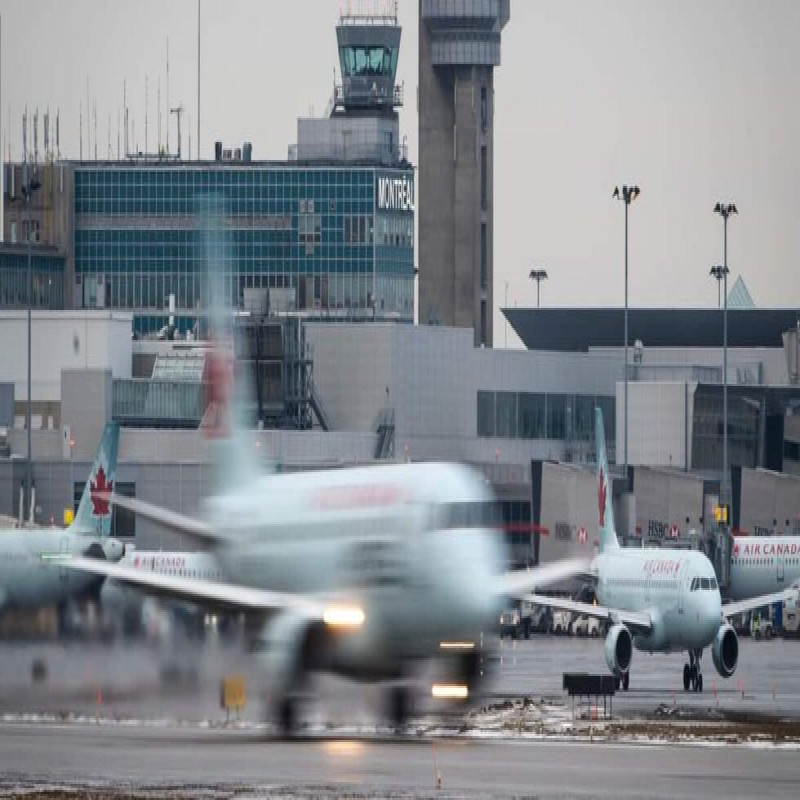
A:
(569, 503)
(770, 502)
(664, 498)
(433, 374)
(61, 340)
(744, 364)
(659, 421)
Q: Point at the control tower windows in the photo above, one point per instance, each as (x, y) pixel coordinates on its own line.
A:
(366, 60)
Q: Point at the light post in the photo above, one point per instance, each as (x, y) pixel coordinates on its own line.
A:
(725, 210)
(29, 184)
(71, 478)
(626, 195)
(538, 275)
(718, 273)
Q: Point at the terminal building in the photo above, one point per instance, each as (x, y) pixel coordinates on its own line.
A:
(120, 262)
(328, 233)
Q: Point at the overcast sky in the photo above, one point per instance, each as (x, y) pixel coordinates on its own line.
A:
(694, 101)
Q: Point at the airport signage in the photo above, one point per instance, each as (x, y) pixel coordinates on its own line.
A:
(563, 532)
(395, 192)
(656, 529)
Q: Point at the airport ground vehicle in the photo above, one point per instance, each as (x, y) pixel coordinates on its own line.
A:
(761, 626)
(560, 622)
(523, 619)
(584, 625)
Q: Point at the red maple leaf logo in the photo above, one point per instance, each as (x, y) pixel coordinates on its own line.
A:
(601, 498)
(736, 548)
(99, 492)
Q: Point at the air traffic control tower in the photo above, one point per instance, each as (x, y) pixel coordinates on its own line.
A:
(459, 47)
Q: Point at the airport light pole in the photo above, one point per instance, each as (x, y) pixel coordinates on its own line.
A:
(538, 275)
(725, 210)
(718, 273)
(627, 194)
(29, 184)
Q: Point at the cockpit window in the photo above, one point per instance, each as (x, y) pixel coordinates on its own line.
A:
(713, 582)
(693, 587)
(704, 584)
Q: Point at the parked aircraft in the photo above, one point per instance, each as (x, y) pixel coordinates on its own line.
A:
(658, 600)
(26, 580)
(763, 564)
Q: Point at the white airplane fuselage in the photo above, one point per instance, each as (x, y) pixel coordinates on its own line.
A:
(660, 583)
(763, 564)
(27, 580)
(403, 542)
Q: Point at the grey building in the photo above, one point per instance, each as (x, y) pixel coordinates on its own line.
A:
(459, 47)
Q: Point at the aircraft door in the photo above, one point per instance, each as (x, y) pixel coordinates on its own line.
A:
(682, 586)
(779, 564)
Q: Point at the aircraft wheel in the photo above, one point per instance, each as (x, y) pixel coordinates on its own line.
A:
(687, 677)
(626, 680)
(287, 716)
(617, 682)
(399, 706)
(699, 682)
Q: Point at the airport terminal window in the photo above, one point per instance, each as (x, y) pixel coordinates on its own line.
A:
(506, 415)
(527, 415)
(556, 416)
(485, 413)
(532, 416)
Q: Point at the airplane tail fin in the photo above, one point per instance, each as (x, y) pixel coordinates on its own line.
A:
(94, 512)
(608, 534)
(228, 421)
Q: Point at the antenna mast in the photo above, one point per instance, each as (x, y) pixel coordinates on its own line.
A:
(177, 112)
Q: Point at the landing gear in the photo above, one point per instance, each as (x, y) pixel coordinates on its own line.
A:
(692, 676)
(399, 706)
(287, 716)
(622, 681)
(626, 680)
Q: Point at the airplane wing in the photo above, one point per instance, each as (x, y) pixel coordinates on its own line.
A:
(202, 592)
(751, 603)
(194, 529)
(523, 582)
(638, 621)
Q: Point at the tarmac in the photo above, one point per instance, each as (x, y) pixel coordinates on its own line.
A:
(130, 718)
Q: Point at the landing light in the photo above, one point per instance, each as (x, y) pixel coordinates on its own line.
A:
(449, 691)
(456, 645)
(343, 617)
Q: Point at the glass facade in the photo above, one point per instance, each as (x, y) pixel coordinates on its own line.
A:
(47, 277)
(316, 230)
(707, 429)
(530, 415)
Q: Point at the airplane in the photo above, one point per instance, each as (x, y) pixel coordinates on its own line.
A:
(134, 611)
(657, 600)
(763, 564)
(26, 579)
(359, 572)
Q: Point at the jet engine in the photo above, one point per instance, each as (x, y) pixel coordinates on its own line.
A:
(618, 648)
(725, 650)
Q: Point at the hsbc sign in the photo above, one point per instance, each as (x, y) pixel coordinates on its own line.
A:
(395, 192)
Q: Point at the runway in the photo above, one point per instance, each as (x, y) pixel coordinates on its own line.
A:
(182, 683)
(124, 759)
(130, 726)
